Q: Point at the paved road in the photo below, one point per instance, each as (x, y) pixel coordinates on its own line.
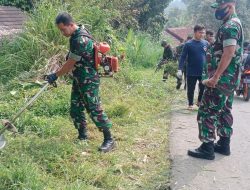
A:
(224, 173)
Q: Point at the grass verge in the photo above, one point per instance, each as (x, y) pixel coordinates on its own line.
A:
(44, 155)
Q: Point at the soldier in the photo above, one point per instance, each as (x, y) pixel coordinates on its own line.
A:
(86, 81)
(246, 60)
(168, 55)
(179, 49)
(184, 70)
(224, 62)
(210, 37)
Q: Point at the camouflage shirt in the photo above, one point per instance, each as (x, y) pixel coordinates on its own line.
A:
(179, 49)
(82, 51)
(230, 33)
(168, 53)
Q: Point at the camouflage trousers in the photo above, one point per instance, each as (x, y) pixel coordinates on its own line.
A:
(215, 114)
(85, 97)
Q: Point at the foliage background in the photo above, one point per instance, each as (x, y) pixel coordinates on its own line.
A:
(200, 12)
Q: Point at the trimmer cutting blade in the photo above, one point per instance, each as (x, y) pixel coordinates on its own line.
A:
(8, 124)
(2, 141)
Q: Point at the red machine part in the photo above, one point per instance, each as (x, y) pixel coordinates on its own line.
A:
(110, 63)
(114, 64)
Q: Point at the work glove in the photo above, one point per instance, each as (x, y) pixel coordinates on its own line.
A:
(51, 78)
(179, 74)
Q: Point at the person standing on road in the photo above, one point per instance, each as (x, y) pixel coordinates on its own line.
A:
(245, 51)
(210, 37)
(224, 64)
(246, 60)
(179, 50)
(195, 52)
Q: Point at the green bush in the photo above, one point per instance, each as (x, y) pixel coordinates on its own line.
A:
(23, 4)
(172, 68)
(41, 39)
(31, 49)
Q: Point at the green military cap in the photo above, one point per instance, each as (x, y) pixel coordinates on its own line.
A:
(219, 2)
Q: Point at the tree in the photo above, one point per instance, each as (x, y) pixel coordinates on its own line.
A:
(244, 14)
(144, 15)
(22, 4)
(177, 17)
(151, 14)
(201, 12)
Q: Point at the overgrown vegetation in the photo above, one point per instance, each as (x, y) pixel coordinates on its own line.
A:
(143, 15)
(22, 4)
(44, 155)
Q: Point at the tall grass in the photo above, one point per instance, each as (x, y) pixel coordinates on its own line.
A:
(40, 38)
(142, 50)
(29, 50)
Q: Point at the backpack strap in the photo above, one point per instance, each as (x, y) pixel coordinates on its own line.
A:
(84, 32)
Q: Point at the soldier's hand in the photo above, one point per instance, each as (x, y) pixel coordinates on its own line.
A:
(51, 78)
(212, 82)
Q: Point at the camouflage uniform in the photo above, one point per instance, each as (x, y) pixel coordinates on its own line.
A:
(179, 49)
(184, 70)
(86, 81)
(168, 53)
(168, 56)
(216, 105)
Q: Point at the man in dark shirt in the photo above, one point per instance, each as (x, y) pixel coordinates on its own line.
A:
(195, 53)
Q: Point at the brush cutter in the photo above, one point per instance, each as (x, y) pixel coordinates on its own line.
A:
(8, 124)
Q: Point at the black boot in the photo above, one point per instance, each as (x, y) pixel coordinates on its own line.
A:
(223, 146)
(108, 143)
(82, 133)
(179, 82)
(205, 151)
(165, 76)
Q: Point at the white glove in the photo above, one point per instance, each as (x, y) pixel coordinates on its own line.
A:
(179, 74)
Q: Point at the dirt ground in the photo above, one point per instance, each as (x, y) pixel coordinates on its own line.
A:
(223, 173)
